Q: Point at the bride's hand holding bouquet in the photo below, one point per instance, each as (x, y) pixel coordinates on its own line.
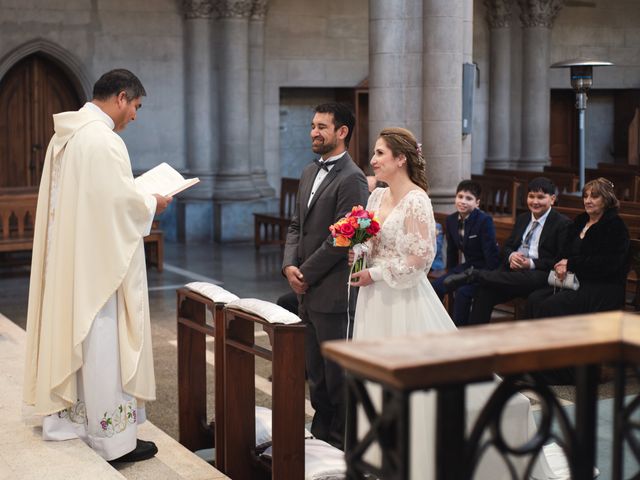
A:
(355, 228)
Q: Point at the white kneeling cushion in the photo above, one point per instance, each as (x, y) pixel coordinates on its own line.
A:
(264, 427)
(270, 312)
(212, 292)
(321, 461)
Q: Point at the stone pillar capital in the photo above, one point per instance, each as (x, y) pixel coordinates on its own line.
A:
(539, 13)
(197, 8)
(259, 10)
(235, 8)
(498, 13)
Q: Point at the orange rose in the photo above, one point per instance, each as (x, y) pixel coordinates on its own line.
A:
(342, 241)
(353, 221)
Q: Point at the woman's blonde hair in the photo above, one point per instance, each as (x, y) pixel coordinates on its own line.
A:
(601, 187)
(402, 142)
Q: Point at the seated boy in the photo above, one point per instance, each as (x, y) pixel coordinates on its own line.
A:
(528, 255)
(471, 241)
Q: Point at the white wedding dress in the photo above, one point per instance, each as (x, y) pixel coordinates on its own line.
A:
(400, 302)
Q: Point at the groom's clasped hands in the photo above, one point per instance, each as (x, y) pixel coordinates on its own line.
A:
(296, 279)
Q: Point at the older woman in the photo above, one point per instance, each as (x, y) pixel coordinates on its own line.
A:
(595, 250)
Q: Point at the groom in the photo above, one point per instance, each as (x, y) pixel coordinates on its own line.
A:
(315, 269)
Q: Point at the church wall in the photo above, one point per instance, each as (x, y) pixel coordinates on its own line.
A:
(607, 30)
(310, 43)
(144, 36)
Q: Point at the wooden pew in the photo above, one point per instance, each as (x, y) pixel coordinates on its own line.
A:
(17, 218)
(565, 181)
(17, 223)
(499, 197)
(195, 430)
(154, 246)
(287, 357)
(625, 184)
(271, 228)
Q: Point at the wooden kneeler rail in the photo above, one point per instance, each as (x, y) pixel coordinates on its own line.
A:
(195, 431)
(287, 357)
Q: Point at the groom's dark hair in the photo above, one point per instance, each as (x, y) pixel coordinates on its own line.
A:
(342, 116)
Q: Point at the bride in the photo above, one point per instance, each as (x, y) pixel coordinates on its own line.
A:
(397, 299)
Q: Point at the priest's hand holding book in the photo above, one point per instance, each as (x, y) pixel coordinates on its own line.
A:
(163, 182)
(162, 202)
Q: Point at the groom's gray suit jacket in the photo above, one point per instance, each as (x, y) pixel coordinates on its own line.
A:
(309, 243)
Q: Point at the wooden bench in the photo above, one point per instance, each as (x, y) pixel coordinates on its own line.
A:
(287, 357)
(499, 196)
(17, 223)
(271, 229)
(564, 181)
(198, 318)
(17, 218)
(154, 246)
(625, 184)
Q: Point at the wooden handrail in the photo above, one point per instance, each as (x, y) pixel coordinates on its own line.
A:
(448, 362)
(474, 353)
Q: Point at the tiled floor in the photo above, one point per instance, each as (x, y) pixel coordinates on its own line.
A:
(239, 269)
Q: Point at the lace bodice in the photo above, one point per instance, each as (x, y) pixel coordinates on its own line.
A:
(403, 250)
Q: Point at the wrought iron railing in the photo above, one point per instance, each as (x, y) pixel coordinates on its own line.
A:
(519, 352)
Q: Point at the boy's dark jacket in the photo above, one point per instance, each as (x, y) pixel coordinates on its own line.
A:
(478, 244)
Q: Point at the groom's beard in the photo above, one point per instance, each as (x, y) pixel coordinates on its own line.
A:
(323, 148)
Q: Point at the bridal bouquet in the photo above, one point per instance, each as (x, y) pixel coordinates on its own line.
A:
(355, 228)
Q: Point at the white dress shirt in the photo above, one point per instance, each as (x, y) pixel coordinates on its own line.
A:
(321, 174)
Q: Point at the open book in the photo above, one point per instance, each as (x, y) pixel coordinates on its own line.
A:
(165, 180)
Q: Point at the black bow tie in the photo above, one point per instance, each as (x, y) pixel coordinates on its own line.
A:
(324, 165)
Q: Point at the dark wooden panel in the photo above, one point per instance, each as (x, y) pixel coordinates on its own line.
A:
(30, 93)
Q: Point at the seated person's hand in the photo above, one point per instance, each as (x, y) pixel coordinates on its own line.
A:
(561, 269)
(518, 261)
(361, 278)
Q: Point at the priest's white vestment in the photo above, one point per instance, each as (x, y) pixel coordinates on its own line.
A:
(88, 298)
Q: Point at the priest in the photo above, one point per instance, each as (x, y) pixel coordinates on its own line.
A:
(89, 365)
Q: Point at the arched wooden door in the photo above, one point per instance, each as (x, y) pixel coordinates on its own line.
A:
(30, 93)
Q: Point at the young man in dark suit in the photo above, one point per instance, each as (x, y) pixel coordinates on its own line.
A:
(316, 270)
(527, 257)
(471, 241)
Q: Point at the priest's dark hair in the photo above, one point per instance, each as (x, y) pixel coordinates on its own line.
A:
(115, 81)
(342, 117)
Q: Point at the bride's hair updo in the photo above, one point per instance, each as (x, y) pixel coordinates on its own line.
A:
(402, 142)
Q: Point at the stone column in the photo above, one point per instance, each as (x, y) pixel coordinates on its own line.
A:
(467, 57)
(537, 19)
(442, 98)
(256, 98)
(498, 17)
(200, 134)
(233, 177)
(395, 66)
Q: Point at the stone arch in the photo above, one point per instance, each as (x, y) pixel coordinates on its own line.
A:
(62, 57)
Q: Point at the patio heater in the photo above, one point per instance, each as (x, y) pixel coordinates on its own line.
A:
(581, 81)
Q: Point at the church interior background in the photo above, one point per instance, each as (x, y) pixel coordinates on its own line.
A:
(231, 85)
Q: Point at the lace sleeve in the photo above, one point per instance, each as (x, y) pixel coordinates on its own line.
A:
(415, 245)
